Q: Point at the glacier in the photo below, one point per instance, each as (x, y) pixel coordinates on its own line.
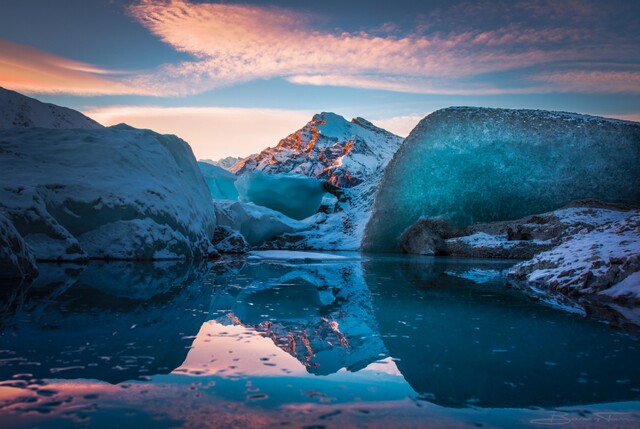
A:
(108, 193)
(221, 183)
(293, 195)
(17, 110)
(471, 165)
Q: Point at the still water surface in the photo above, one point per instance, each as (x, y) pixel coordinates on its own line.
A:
(358, 342)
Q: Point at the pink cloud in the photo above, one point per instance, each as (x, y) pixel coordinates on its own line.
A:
(26, 69)
(234, 43)
(593, 81)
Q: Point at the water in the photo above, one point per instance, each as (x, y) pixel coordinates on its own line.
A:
(360, 342)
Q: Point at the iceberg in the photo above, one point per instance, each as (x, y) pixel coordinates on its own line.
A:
(293, 195)
(221, 182)
(108, 193)
(256, 224)
(470, 165)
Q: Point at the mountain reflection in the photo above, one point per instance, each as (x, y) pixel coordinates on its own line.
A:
(319, 313)
(444, 330)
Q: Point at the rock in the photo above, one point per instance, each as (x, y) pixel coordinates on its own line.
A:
(228, 240)
(427, 237)
(599, 249)
(16, 260)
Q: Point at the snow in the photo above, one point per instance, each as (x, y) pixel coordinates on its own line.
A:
(604, 249)
(328, 147)
(16, 259)
(288, 255)
(295, 196)
(116, 192)
(256, 224)
(471, 165)
(17, 110)
(225, 163)
(627, 288)
(221, 182)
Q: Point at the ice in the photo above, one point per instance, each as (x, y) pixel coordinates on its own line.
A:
(472, 165)
(17, 110)
(288, 255)
(256, 224)
(294, 195)
(16, 260)
(221, 182)
(116, 192)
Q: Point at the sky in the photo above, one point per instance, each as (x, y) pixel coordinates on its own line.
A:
(232, 78)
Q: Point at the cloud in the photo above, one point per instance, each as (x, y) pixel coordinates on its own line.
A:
(400, 125)
(212, 132)
(26, 69)
(236, 43)
(593, 81)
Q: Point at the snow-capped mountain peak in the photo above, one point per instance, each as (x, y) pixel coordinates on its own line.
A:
(328, 147)
(20, 111)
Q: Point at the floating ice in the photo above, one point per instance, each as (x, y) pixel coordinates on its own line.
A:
(294, 195)
(256, 223)
(478, 165)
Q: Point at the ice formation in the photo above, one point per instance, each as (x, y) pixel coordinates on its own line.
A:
(472, 165)
(16, 259)
(116, 192)
(328, 147)
(294, 195)
(221, 182)
(257, 224)
(17, 110)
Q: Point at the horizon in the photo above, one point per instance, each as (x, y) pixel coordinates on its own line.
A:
(234, 78)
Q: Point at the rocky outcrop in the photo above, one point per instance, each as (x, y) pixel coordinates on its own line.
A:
(586, 248)
(228, 240)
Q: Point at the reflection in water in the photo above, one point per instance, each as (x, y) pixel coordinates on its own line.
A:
(459, 342)
(243, 343)
(111, 321)
(319, 313)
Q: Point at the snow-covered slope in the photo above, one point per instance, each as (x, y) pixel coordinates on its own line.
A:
(469, 165)
(113, 193)
(328, 147)
(225, 163)
(17, 110)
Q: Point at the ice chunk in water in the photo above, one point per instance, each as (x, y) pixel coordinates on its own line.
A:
(294, 195)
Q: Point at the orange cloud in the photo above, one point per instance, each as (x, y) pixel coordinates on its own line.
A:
(234, 43)
(26, 69)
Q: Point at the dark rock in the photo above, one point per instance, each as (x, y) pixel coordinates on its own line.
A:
(427, 237)
(227, 240)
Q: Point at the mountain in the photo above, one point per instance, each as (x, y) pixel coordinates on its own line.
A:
(328, 147)
(225, 163)
(17, 110)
